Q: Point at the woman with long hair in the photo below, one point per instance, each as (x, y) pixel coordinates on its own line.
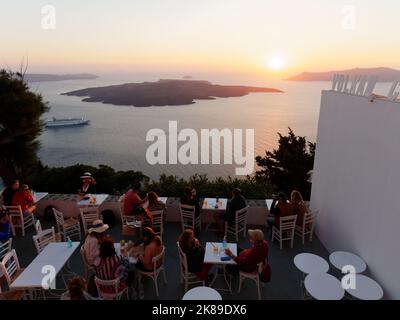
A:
(153, 246)
(299, 206)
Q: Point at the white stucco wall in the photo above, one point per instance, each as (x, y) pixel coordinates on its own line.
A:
(356, 183)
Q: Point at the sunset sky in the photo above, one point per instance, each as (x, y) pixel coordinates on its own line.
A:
(268, 37)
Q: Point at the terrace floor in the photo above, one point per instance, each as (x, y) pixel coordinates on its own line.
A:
(285, 283)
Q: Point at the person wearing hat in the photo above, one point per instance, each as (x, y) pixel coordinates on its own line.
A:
(280, 208)
(248, 260)
(88, 184)
(92, 242)
(5, 226)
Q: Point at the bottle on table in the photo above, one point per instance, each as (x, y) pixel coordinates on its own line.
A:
(69, 242)
(224, 244)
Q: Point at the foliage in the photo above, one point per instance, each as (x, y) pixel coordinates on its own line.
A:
(20, 126)
(288, 167)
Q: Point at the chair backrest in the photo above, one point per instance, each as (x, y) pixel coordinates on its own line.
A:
(59, 217)
(43, 238)
(10, 266)
(38, 226)
(158, 221)
(158, 260)
(107, 289)
(309, 218)
(187, 212)
(182, 261)
(5, 248)
(241, 215)
(288, 223)
(14, 211)
(88, 216)
(121, 204)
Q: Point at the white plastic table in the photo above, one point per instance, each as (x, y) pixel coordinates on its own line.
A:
(339, 259)
(211, 204)
(37, 196)
(214, 258)
(55, 255)
(100, 198)
(366, 289)
(163, 199)
(202, 293)
(311, 263)
(323, 286)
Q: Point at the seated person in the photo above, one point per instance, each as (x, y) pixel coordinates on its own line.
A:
(194, 252)
(88, 184)
(248, 260)
(189, 198)
(9, 192)
(132, 200)
(237, 203)
(144, 216)
(5, 226)
(280, 208)
(24, 199)
(299, 206)
(153, 246)
(77, 290)
(109, 265)
(154, 203)
(92, 242)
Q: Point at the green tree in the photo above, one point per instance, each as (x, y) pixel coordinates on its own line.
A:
(288, 167)
(20, 126)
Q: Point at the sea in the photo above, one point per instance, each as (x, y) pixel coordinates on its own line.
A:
(116, 135)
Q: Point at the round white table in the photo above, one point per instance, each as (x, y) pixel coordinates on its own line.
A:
(323, 286)
(310, 263)
(340, 259)
(366, 289)
(202, 293)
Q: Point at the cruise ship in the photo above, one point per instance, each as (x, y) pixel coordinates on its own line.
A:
(66, 122)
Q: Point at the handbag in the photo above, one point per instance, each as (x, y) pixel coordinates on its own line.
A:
(265, 275)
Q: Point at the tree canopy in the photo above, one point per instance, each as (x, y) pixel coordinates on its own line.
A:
(288, 167)
(20, 126)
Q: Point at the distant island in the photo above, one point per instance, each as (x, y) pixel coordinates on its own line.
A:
(384, 74)
(39, 77)
(164, 92)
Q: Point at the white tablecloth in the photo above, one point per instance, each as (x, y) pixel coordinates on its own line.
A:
(210, 204)
(100, 198)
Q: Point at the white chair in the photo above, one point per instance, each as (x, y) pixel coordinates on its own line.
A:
(286, 230)
(240, 224)
(255, 276)
(88, 216)
(158, 267)
(38, 226)
(19, 220)
(186, 277)
(10, 269)
(158, 222)
(307, 227)
(5, 248)
(110, 289)
(188, 217)
(125, 219)
(87, 267)
(67, 228)
(42, 239)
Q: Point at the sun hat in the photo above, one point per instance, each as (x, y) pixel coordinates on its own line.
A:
(98, 226)
(86, 175)
(257, 234)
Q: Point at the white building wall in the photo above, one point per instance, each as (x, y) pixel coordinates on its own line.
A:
(356, 183)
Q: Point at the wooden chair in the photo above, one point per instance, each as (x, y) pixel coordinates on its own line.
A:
(5, 248)
(286, 230)
(158, 222)
(10, 269)
(188, 217)
(255, 276)
(88, 216)
(110, 289)
(158, 267)
(43, 238)
(19, 220)
(240, 224)
(186, 277)
(307, 227)
(67, 228)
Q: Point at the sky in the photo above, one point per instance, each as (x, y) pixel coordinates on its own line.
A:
(263, 37)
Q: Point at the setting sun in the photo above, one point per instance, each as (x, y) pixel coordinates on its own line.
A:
(276, 63)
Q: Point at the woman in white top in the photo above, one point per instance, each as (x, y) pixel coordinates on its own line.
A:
(93, 240)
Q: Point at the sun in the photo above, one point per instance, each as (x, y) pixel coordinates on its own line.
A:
(276, 63)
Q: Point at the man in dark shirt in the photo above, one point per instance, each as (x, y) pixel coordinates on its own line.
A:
(237, 203)
(5, 227)
(8, 193)
(280, 208)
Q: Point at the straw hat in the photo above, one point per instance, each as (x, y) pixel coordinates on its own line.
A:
(98, 227)
(86, 175)
(258, 234)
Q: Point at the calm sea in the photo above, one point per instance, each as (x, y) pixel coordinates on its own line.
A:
(116, 135)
